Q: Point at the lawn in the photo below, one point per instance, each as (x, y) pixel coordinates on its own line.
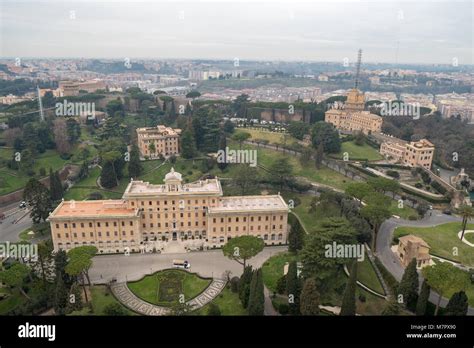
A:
(165, 287)
(358, 152)
(443, 239)
(367, 276)
(100, 299)
(228, 302)
(469, 237)
(272, 137)
(272, 269)
(14, 299)
(404, 212)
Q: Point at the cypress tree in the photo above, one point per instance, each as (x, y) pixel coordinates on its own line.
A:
(309, 299)
(188, 144)
(135, 168)
(293, 288)
(257, 298)
(423, 298)
(108, 179)
(61, 297)
(222, 147)
(409, 286)
(457, 304)
(55, 186)
(244, 285)
(296, 235)
(348, 306)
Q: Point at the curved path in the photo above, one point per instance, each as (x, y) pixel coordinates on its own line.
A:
(391, 261)
(136, 304)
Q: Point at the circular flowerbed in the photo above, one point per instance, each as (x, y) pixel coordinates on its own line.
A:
(167, 287)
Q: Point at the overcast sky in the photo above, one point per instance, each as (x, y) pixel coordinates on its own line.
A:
(423, 31)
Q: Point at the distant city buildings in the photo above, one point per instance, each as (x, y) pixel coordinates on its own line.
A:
(453, 105)
(73, 88)
(159, 141)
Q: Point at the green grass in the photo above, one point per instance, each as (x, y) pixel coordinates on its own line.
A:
(100, 300)
(442, 239)
(404, 212)
(272, 137)
(14, 300)
(272, 269)
(165, 287)
(228, 302)
(358, 152)
(367, 276)
(469, 237)
(373, 305)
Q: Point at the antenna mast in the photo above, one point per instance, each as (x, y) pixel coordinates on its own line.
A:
(359, 61)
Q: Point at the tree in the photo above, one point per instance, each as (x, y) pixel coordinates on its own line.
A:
(45, 248)
(245, 177)
(298, 129)
(392, 308)
(229, 127)
(108, 178)
(423, 299)
(359, 138)
(281, 171)
(243, 248)
(73, 130)
(293, 288)
(74, 302)
(256, 297)
(466, 213)
(384, 185)
(223, 148)
(376, 215)
(445, 278)
(319, 155)
(241, 137)
(193, 94)
(244, 286)
(214, 310)
(60, 136)
(114, 309)
(309, 298)
(296, 235)
(61, 297)
(305, 156)
(348, 307)
(15, 276)
(325, 133)
(80, 261)
(409, 285)
(457, 305)
(38, 197)
(359, 190)
(55, 185)
(135, 167)
(152, 149)
(188, 144)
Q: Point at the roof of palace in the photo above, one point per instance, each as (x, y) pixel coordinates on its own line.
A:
(93, 209)
(249, 204)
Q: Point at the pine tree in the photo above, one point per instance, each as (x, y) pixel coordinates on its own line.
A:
(74, 302)
(457, 304)
(293, 288)
(296, 235)
(244, 285)
(108, 179)
(55, 185)
(257, 298)
(309, 298)
(61, 297)
(135, 168)
(222, 147)
(423, 298)
(188, 144)
(409, 286)
(348, 306)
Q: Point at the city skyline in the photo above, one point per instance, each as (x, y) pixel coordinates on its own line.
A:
(389, 31)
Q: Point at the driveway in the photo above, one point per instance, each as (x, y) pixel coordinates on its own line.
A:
(211, 263)
(391, 261)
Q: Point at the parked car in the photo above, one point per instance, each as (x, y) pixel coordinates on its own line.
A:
(23, 204)
(447, 212)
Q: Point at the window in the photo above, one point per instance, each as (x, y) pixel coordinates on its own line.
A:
(59, 235)
(57, 225)
(65, 225)
(131, 223)
(82, 225)
(106, 224)
(98, 224)
(73, 225)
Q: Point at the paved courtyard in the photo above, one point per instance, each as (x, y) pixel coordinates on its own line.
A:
(211, 263)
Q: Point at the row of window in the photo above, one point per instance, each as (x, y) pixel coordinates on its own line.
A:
(244, 219)
(91, 234)
(244, 228)
(173, 202)
(152, 225)
(264, 237)
(181, 215)
(98, 224)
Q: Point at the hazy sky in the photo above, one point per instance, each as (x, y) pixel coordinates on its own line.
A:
(423, 31)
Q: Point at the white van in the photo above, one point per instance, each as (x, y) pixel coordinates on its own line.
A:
(181, 264)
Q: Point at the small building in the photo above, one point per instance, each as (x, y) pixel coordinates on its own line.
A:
(154, 142)
(410, 247)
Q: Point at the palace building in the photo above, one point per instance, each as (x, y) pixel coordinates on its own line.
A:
(154, 142)
(413, 154)
(351, 117)
(174, 211)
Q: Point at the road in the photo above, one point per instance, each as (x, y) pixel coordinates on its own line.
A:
(391, 261)
(17, 220)
(211, 263)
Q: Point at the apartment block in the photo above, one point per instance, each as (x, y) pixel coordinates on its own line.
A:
(154, 142)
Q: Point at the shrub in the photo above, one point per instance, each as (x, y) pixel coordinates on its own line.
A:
(234, 284)
(419, 185)
(42, 171)
(393, 174)
(65, 156)
(362, 298)
(283, 308)
(412, 217)
(95, 196)
(281, 285)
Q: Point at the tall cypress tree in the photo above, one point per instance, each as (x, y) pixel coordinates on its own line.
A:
(135, 168)
(409, 286)
(244, 285)
(309, 299)
(293, 288)
(348, 306)
(188, 144)
(457, 304)
(55, 186)
(222, 147)
(108, 179)
(296, 235)
(257, 298)
(423, 298)
(61, 297)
